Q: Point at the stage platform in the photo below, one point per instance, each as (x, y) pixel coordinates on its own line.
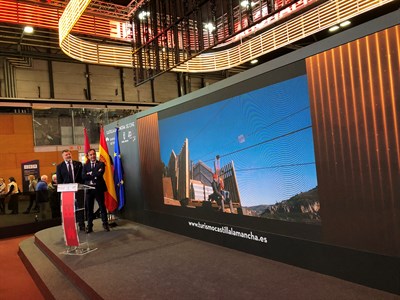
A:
(134, 261)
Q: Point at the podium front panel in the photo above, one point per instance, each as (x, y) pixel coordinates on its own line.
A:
(68, 218)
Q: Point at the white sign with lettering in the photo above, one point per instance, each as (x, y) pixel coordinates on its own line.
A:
(67, 187)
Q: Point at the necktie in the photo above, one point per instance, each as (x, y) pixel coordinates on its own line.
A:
(70, 175)
(92, 166)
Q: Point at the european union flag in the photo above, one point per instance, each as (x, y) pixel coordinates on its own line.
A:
(118, 173)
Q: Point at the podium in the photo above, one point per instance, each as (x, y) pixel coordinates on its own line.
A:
(68, 209)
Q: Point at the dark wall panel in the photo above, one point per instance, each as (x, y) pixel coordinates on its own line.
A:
(150, 163)
(354, 94)
(128, 143)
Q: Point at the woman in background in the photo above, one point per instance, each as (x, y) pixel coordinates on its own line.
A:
(13, 192)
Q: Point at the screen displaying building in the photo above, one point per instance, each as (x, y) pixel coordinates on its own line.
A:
(258, 144)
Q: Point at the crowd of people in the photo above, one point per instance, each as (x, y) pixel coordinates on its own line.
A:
(42, 196)
(44, 200)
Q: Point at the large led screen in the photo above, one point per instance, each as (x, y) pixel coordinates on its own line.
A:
(252, 155)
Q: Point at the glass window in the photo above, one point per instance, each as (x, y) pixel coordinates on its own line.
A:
(65, 126)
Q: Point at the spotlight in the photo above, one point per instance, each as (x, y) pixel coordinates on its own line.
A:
(210, 27)
(246, 4)
(345, 23)
(143, 15)
(334, 28)
(254, 61)
(28, 29)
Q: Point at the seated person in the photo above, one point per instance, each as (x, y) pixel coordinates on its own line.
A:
(216, 195)
(224, 193)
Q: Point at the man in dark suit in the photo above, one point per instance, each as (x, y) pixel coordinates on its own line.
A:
(64, 175)
(70, 171)
(92, 175)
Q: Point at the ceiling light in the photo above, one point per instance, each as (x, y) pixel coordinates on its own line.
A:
(246, 3)
(254, 61)
(210, 27)
(334, 28)
(345, 23)
(143, 15)
(28, 29)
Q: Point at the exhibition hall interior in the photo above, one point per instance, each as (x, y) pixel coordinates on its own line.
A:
(248, 146)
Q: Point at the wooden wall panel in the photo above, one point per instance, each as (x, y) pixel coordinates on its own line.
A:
(355, 94)
(23, 126)
(18, 143)
(17, 146)
(8, 160)
(5, 128)
(150, 161)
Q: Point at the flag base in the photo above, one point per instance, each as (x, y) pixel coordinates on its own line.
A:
(113, 224)
(112, 220)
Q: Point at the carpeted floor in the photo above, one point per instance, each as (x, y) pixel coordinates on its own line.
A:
(135, 261)
(15, 281)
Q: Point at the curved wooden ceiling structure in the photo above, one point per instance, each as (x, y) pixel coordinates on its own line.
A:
(319, 18)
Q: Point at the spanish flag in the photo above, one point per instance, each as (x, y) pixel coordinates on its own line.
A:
(110, 196)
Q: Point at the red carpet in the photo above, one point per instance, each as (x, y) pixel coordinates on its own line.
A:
(15, 281)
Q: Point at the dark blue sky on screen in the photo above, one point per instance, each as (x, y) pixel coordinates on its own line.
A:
(266, 133)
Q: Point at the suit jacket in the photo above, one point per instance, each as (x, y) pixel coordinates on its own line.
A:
(94, 176)
(62, 172)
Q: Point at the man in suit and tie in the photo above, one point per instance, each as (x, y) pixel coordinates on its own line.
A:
(66, 174)
(70, 171)
(92, 175)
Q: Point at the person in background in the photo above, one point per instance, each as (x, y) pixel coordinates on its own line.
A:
(32, 195)
(12, 193)
(54, 198)
(42, 197)
(216, 195)
(53, 183)
(70, 171)
(92, 175)
(224, 193)
(3, 192)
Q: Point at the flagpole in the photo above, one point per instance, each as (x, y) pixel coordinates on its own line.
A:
(86, 144)
(110, 196)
